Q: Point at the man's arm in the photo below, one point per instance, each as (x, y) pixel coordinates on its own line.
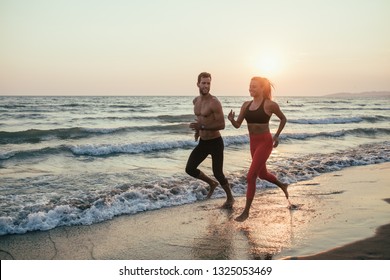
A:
(196, 135)
(219, 119)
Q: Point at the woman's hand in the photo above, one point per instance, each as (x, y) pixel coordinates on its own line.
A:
(276, 141)
(231, 115)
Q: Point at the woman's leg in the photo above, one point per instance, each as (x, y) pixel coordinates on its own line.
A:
(263, 172)
(261, 148)
(258, 162)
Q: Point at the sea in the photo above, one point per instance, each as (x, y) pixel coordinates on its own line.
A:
(67, 161)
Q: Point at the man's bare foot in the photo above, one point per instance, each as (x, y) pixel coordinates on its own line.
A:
(242, 217)
(228, 204)
(213, 185)
(284, 189)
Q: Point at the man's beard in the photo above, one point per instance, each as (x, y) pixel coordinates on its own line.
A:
(204, 92)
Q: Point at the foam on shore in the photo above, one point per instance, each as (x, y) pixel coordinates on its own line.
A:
(342, 208)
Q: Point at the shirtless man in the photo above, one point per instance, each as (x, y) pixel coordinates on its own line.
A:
(209, 120)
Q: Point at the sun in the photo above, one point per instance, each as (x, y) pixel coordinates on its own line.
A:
(269, 64)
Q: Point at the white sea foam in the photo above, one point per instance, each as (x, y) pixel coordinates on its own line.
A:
(87, 208)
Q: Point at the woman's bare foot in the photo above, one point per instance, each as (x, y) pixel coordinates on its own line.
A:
(242, 217)
(213, 185)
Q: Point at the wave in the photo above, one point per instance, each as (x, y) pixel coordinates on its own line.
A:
(12, 106)
(136, 148)
(172, 118)
(327, 120)
(99, 150)
(341, 120)
(38, 135)
(367, 132)
(140, 148)
(329, 109)
(130, 106)
(161, 118)
(32, 212)
(35, 116)
(168, 124)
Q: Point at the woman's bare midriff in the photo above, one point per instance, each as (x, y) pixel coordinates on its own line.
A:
(258, 128)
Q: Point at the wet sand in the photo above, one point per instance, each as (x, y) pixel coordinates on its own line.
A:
(373, 248)
(340, 215)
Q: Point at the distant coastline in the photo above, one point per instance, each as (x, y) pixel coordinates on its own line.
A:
(361, 94)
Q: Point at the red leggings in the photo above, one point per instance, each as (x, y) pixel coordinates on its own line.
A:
(261, 147)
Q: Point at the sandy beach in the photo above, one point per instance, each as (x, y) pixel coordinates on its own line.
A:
(340, 215)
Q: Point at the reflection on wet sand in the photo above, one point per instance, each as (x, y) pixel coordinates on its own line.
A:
(273, 225)
(268, 233)
(220, 239)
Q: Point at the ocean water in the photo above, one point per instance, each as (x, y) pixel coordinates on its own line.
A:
(68, 161)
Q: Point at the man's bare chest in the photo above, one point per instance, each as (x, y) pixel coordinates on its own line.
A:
(202, 109)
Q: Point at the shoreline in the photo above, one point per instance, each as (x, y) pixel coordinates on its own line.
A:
(352, 216)
(337, 217)
(376, 247)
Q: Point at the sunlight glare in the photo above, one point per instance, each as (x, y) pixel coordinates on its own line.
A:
(268, 65)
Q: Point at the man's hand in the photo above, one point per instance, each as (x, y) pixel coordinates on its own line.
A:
(196, 135)
(196, 125)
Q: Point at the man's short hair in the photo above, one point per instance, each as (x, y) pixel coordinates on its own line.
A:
(203, 75)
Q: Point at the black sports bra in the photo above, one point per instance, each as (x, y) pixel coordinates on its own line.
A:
(258, 115)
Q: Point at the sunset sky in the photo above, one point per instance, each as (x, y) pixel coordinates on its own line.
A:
(158, 47)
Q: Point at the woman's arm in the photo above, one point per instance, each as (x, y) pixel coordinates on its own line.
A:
(283, 120)
(237, 123)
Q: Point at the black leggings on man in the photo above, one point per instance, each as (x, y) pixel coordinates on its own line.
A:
(213, 147)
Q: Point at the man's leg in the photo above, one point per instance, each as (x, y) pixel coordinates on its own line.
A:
(197, 156)
(217, 164)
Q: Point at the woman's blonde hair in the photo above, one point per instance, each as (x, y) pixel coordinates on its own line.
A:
(266, 85)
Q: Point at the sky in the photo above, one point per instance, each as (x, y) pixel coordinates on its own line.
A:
(158, 47)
